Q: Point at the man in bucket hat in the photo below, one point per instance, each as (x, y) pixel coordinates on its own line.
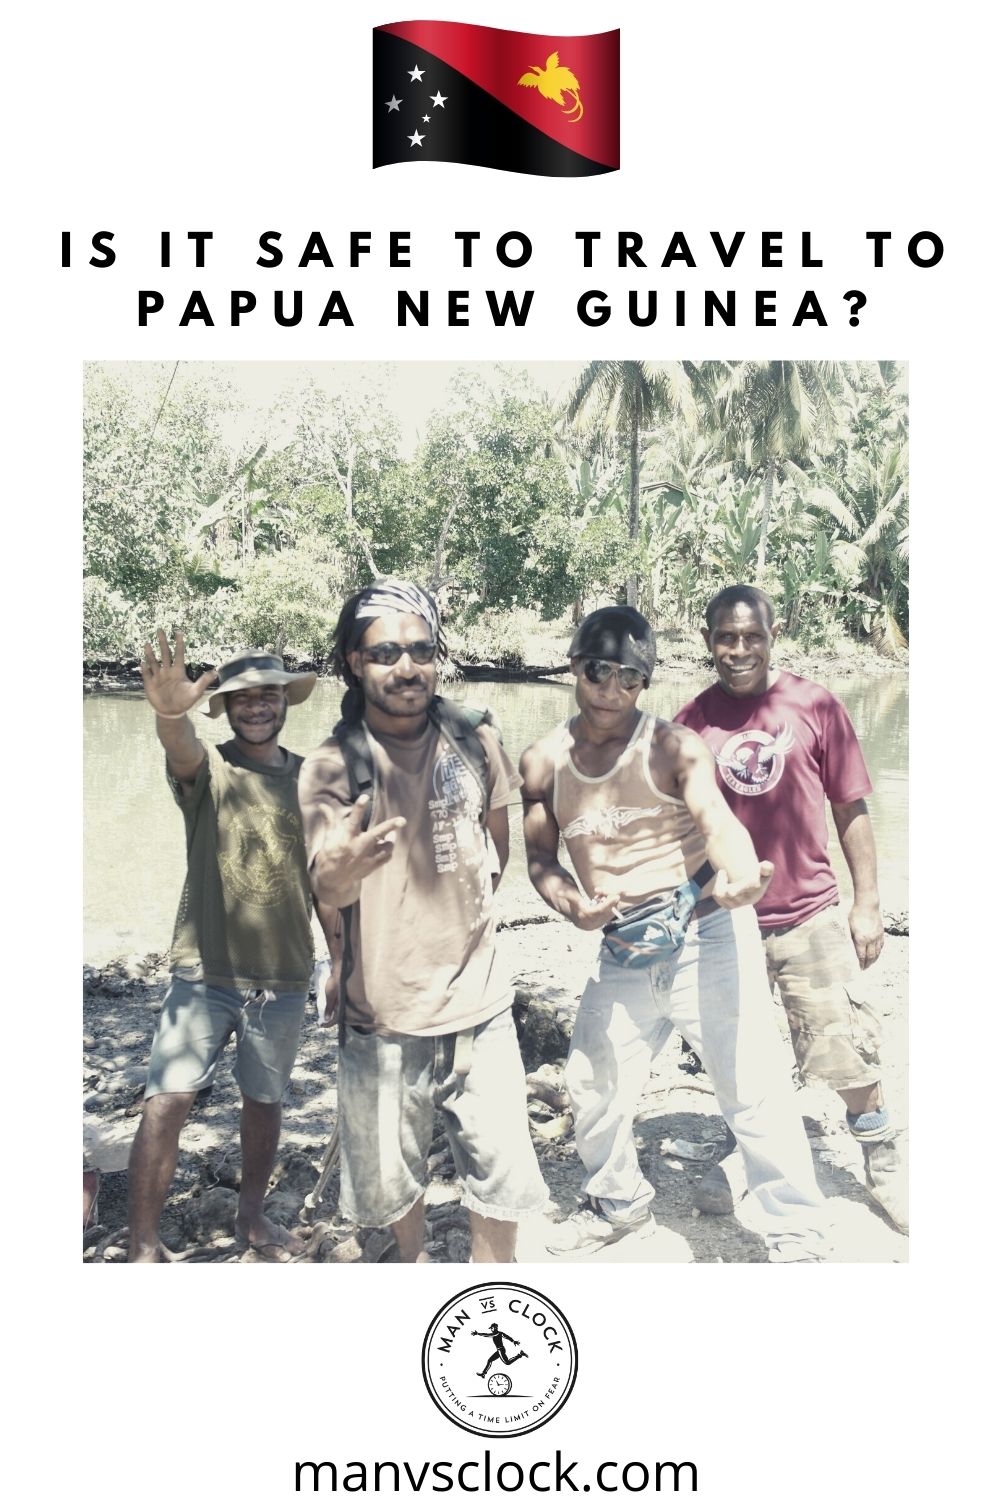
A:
(241, 958)
(642, 820)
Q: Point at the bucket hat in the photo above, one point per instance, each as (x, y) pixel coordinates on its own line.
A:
(252, 669)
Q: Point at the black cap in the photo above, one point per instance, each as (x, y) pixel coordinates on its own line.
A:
(618, 633)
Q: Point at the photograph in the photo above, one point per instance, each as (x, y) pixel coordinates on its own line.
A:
(495, 812)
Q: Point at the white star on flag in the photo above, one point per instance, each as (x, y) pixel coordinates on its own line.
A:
(393, 104)
(438, 99)
(416, 75)
(426, 119)
(416, 139)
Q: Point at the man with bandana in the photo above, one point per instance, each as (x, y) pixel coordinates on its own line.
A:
(409, 869)
(635, 802)
(241, 957)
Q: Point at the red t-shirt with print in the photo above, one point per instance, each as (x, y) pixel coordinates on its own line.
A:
(779, 757)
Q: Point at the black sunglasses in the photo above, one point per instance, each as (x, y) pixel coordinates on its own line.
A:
(599, 671)
(387, 653)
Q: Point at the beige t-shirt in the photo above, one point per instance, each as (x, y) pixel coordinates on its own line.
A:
(422, 932)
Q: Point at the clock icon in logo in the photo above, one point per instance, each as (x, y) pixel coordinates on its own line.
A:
(499, 1384)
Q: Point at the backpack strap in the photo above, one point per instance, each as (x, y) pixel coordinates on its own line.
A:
(458, 723)
(357, 753)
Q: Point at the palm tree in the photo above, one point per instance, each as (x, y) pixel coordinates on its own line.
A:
(772, 412)
(626, 396)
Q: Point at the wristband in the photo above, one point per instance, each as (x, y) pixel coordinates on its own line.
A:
(170, 716)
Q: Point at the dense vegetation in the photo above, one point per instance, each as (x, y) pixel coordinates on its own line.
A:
(656, 483)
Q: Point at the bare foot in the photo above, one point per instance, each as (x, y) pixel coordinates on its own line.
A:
(269, 1241)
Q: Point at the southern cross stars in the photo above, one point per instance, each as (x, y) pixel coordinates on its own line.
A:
(438, 101)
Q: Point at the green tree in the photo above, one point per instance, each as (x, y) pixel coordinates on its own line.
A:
(153, 459)
(498, 508)
(772, 413)
(866, 493)
(625, 397)
(342, 477)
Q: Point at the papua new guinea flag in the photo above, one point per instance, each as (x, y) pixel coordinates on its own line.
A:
(511, 100)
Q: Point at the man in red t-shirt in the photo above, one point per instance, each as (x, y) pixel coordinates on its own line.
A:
(783, 748)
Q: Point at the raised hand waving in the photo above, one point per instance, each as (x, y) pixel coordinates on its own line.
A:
(169, 690)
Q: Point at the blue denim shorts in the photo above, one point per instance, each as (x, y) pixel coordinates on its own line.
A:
(388, 1087)
(197, 1021)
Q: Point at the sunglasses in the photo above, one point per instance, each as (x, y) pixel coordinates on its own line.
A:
(387, 653)
(599, 671)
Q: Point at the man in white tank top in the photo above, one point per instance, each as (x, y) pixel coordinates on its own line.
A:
(637, 804)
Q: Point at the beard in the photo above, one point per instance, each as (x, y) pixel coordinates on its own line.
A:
(392, 700)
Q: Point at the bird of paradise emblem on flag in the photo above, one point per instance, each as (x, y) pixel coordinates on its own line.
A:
(554, 82)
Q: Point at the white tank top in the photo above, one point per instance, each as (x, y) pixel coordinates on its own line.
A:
(620, 832)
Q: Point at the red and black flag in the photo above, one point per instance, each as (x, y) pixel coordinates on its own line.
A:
(444, 91)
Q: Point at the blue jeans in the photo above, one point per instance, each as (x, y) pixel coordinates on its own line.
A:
(715, 992)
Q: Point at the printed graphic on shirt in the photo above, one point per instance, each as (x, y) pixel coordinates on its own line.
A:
(604, 822)
(259, 864)
(752, 762)
(454, 810)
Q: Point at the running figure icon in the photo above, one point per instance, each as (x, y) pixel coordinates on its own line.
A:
(499, 1352)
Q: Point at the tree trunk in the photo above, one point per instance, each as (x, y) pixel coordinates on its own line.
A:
(363, 543)
(442, 538)
(632, 586)
(765, 519)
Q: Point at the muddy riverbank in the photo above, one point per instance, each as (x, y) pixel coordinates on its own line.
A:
(678, 1118)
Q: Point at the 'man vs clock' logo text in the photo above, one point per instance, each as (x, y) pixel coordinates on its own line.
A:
(499, 1359)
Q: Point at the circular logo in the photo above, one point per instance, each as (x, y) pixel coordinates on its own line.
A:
(258, 859)
(499, 1359)
(752, 762)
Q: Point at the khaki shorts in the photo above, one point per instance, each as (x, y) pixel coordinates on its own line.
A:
(388, 1088)
(834, 1033)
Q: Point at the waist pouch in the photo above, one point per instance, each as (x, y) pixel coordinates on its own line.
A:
(655, 929)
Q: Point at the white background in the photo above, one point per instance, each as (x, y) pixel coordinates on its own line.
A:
(241, 118)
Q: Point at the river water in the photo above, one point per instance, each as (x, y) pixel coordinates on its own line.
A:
(134, 835)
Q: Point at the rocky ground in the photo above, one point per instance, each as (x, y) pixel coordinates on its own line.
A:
(679, 1129)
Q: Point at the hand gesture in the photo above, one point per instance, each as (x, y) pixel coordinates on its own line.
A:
(589, 913)
(867, 932)
(168, 688)
(350, 853)
(746, 891)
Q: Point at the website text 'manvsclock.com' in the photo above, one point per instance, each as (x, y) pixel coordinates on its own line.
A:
(491, 1473)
